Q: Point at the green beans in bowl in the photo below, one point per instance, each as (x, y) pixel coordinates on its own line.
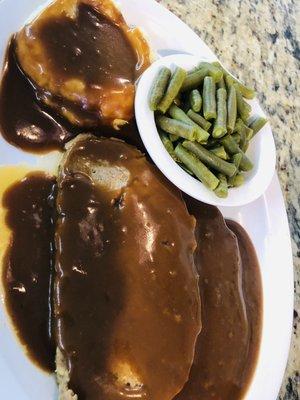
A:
(199, 124)
(204, 123)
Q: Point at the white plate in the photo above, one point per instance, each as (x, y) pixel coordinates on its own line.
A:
(265, 220)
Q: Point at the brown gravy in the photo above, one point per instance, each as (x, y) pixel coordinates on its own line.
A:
(27, 270)
(125, 244)
(82, 48)
(230, 286)
(28, 124)
(82, 61)
(252, 288)
(231, 293)
(23, 121)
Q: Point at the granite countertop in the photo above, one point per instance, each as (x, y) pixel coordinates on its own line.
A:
(258, 41)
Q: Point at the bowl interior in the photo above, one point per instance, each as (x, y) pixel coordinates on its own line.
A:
(261, 150)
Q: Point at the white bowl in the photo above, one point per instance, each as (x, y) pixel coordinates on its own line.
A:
(261, 150)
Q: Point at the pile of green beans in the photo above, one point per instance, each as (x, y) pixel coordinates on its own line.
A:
(205, 123)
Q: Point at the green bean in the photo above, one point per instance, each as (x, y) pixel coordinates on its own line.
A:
(221, 83)
(220, 123)
(249, 133)
(246, 145)
(233, 148)
(159, 87)
(177, 101)
(197, 167)
(173, 89)
(243, 140)
(236, 137)
(166, 141)
(240, 126)
(246, 91)
(200, 134)
(229, 81)
(210, 159)
(231, 109)
(193, 80)
(195, 100)
(209, 98)
(219, 152)
(238, 180)
(256, 123)
(215, 72)
(237, 159)
(168, 145)
(230, 145)
(177, 113)
(198, 119)
(222, 189)
(176, 127)
(230, 181)
(244, 109)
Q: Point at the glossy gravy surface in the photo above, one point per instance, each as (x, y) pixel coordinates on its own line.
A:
(83, 48)
(24, 122)
(230, 286)
(27, 267)
(30, 125)
(126, 290)
(231, 293)
(84, 60)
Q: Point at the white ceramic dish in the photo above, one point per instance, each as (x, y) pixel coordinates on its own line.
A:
(264, 219)
(261, 150)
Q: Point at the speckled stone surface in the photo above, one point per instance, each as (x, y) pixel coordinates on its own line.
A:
(258, 41)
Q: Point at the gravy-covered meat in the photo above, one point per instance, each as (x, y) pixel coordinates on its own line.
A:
(84, 61)
(31, 126)
(230, 285)
(127, 310)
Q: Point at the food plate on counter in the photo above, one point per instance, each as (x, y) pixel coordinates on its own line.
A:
(264, 219)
